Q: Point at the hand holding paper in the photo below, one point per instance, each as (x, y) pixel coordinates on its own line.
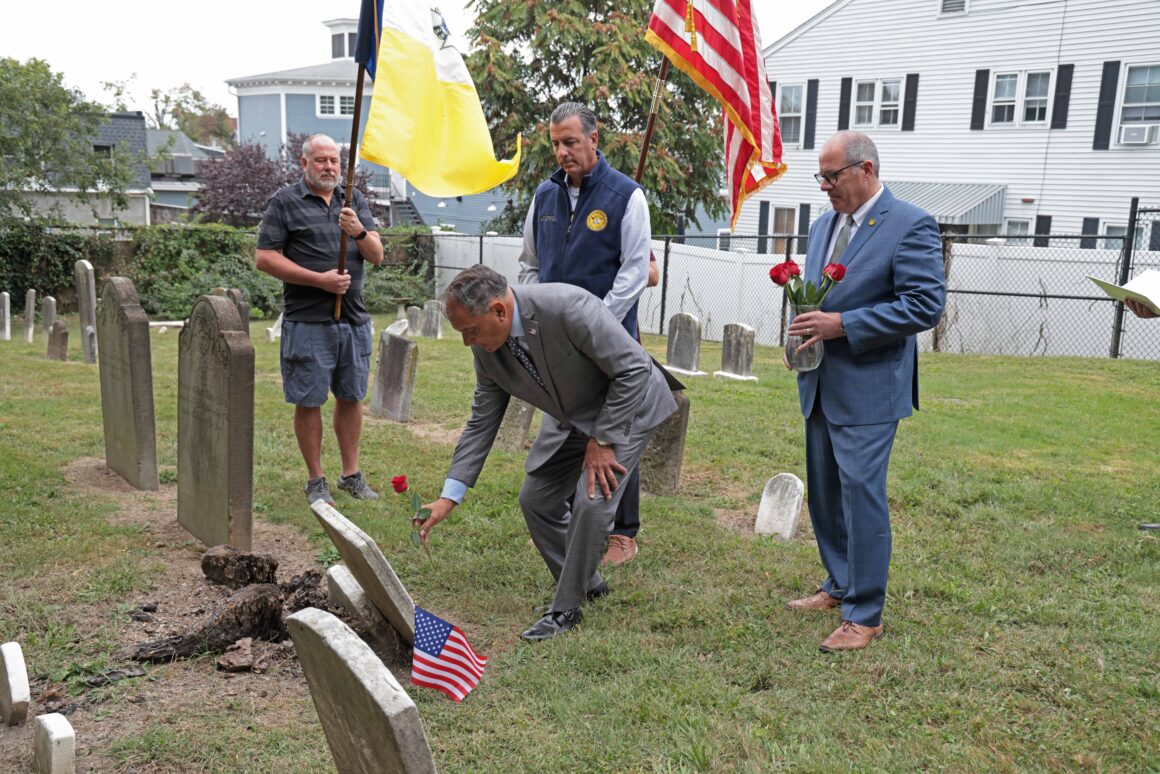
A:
(1144, 289)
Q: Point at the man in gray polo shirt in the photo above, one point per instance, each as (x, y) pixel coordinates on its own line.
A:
(298, 243)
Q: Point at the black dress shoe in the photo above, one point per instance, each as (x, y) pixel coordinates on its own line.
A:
(552, 624)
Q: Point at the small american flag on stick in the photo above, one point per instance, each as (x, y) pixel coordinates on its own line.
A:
(443, 658)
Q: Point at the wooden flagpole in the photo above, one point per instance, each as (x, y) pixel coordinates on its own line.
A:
(658, 91)
(349, 192)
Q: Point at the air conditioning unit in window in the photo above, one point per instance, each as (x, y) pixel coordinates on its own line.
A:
(1138, 134)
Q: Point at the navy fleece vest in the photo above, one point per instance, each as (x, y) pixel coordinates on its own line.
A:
(583, 247)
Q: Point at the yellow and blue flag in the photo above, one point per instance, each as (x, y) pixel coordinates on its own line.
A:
(425, 120)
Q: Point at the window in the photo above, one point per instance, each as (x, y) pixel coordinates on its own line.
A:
(103, 151)
(783, 223)
(336, 51)
(1117, 234)
(1015, 228)
(1142, 95)
(1035, 97)
(877, 99)
(351, 39)
(953, 6)
(346, 106)
(888, 106)
(325, 105)
(723, 235)
(789, 114)
(864, 103)
(1003, 103)
(1020, 98)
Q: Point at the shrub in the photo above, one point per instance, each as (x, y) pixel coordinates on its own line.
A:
(42, 257)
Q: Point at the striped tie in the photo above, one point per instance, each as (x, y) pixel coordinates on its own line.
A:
(843, 239)
(525, 360)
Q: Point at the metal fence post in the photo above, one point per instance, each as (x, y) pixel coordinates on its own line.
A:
(1125, 272)
(481, 249)
(665, 284)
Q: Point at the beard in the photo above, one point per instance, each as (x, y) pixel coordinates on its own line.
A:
(319, 182)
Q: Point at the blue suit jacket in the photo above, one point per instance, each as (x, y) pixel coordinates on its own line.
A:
(893, 289)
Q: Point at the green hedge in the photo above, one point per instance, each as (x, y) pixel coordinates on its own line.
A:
(43, 257)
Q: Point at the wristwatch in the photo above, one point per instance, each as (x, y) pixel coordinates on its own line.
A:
(361, 236)
(605, 444)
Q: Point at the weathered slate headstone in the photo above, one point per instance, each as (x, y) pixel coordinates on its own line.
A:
(47, 314)
(127, 385)
(14, 693)
(56, 744)
(781, 507)
(371, 724)
(398, 327)
(684, 347)
(370, 568)
(215, 424)
(345, 592)
(30, 316)
(737, 353)
(274, 332)
(238, 299)
(395, 377)
(433, 319)
(58, 341)
(517, 424)
(660, 465)
(87, 307)
(414, 321)
(5, 316)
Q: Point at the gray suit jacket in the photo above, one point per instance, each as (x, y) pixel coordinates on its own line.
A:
(597, 378)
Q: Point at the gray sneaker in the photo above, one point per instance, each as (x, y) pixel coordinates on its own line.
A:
(357, 487)
(316, 489)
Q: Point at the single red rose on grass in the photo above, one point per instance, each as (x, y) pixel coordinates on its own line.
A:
(835, 271)
(399, 484)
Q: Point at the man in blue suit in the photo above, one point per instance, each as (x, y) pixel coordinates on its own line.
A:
(868, 378)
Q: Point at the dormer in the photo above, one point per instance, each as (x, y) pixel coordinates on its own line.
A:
(343, 33)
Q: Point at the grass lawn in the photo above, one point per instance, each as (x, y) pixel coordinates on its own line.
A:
(1022, 627)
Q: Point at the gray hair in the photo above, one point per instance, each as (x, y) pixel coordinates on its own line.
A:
(566, 110)
(308, 143)
(859, 147)
(475, 288)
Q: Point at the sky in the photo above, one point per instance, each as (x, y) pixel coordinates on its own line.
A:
(149, 45)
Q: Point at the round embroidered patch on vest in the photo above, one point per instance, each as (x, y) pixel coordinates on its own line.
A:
(597, 220)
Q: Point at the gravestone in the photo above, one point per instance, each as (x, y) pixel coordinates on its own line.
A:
(87, 308)
(370, 568)
(371, 724)
(215, 424)
(47, 314)
(5, 316)
(58, 341)
(238, 299)
(660, 464)
(274, 332)
(781, 507)
(55, 743)
(345, 592)
(517, 424)
(737, 353)
(684, 349)
(398, 327)
(395, 377)
(30, 316)
(433, 319)
(14, 693)
(127, 385)
(414, 321)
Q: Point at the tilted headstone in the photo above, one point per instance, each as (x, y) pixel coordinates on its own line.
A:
(47, 314)
(371, 724)
(517, 424)
(58, 341)
(737, 353)
(30, 316)
(87, 307)
(398, 327)
(56, 745)
(414, 321)
(14, 693)
(781, 507)
(274, 332)
(238, 299)
(370, 568)
(395, 377)
(5, 316)
(684, 350)
(215, 424)
(660, 465)
(127, 385)
(433, 319)
(344, 591)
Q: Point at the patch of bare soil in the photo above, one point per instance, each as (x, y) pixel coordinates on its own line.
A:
(436, 433)
(179, 600)
(740, 522)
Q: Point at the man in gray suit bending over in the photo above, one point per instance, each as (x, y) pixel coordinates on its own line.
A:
(557, 347)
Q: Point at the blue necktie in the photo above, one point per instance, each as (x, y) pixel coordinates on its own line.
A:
(526, 361)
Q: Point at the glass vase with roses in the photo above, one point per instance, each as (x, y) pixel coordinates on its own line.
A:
(804, 297)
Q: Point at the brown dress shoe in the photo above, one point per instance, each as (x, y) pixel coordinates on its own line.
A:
(819, 601)
(850, 636)
(621, 549)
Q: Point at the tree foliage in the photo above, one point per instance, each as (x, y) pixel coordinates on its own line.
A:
(185, 108)
(527, 57)
(46, 142)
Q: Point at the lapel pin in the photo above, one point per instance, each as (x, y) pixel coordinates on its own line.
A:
(872, 221)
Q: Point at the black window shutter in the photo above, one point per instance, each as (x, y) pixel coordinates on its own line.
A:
(1042, 226)
(1154, 240)
(844, 104)
(1090, 226)
(1062, 96)
(1106, 107)
(773, 91)
(909, 102)
(979, 101)
(763, 227)
(804, 227)
(811, 114)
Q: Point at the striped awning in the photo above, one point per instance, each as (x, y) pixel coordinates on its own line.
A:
(963, 204)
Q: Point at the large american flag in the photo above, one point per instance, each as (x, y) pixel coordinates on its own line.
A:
(443, 658)
(718, 45)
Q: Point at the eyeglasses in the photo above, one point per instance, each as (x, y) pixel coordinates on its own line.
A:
(832, 177)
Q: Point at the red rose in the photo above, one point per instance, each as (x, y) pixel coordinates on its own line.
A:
(399, 484)
(835, 271)
(792, 269)
(778, 275)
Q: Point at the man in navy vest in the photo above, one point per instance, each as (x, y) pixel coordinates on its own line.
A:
(589, 226)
